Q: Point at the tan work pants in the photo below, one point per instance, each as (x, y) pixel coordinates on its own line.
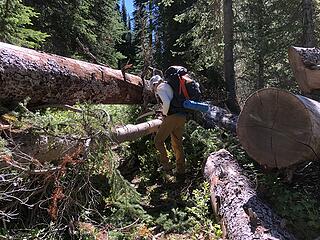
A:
(172, 125)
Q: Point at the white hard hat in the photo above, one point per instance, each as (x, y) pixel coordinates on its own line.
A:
(154, 81)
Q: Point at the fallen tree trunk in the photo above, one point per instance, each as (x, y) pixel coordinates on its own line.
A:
(132, 132)
(279, 129)
(217, 116)
(236, 204)
(52, 79)
(305, 63)
(44, 148)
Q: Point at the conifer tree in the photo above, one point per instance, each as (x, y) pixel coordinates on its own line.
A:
(87, 29)
(16, 25)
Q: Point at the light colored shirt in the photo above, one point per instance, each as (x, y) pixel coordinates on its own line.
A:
(165, 92)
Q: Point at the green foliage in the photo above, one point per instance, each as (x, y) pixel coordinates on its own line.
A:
(201, 216)
(16, 24)
(88, 29)
(297, 206)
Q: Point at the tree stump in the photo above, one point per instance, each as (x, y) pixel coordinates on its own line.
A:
(236, 204)
(279, 129)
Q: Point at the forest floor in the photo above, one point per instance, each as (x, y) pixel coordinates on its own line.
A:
(141, 202)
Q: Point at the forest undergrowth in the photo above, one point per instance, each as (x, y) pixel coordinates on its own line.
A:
(74, 182)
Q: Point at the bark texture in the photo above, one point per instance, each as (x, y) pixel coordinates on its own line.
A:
(217, 116)
(308, 23)
(52, 79)
(305, 63)
(235, 202)
(279, 129)
(228, 56)
(50, 148)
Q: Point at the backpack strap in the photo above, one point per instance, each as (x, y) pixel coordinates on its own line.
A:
(182, 87)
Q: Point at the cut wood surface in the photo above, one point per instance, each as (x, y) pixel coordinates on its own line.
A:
(305, 63)
(279, 129)
(235, 202)
(51, 79)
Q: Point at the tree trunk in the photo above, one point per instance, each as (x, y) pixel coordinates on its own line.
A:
(308, 23)
(51, 148)
(279, 129)
(228, 56)
(132, 132)
(52, 79)
(236, 204)
(220, 117)
(305, 63)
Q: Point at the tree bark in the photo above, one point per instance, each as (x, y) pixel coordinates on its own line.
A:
(308, 23)
(279, 129)
(305, 63)
(229, 73)
(44, 148)
(236, 204)
(132, 132)
(220, 117)
(52, 79)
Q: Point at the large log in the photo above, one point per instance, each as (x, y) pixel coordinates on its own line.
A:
(52, 79)
(279, 129)
(305, 63)
(235, 202)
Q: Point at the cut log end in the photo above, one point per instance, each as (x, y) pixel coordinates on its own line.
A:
(276, 128)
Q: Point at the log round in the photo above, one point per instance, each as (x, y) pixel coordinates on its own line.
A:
(279, 129)
(52, 79)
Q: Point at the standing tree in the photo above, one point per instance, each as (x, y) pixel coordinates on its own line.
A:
(87, 29)
(229, 73)
(308, 23)
(16, 25)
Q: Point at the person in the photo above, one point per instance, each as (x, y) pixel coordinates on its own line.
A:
(173, 124)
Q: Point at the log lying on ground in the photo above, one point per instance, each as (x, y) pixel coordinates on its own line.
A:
(52, 79)
(236, 204)
(305, 63)
(217, 116)
(50, 148)
(279, 129)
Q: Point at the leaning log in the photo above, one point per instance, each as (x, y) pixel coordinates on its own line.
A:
(51, 79)
(279, 129)
(241, 212)
(305, 63)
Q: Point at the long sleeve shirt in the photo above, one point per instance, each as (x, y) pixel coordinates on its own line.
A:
(165, 92)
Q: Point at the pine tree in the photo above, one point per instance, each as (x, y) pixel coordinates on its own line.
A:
(16, 24)
(87, 29)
